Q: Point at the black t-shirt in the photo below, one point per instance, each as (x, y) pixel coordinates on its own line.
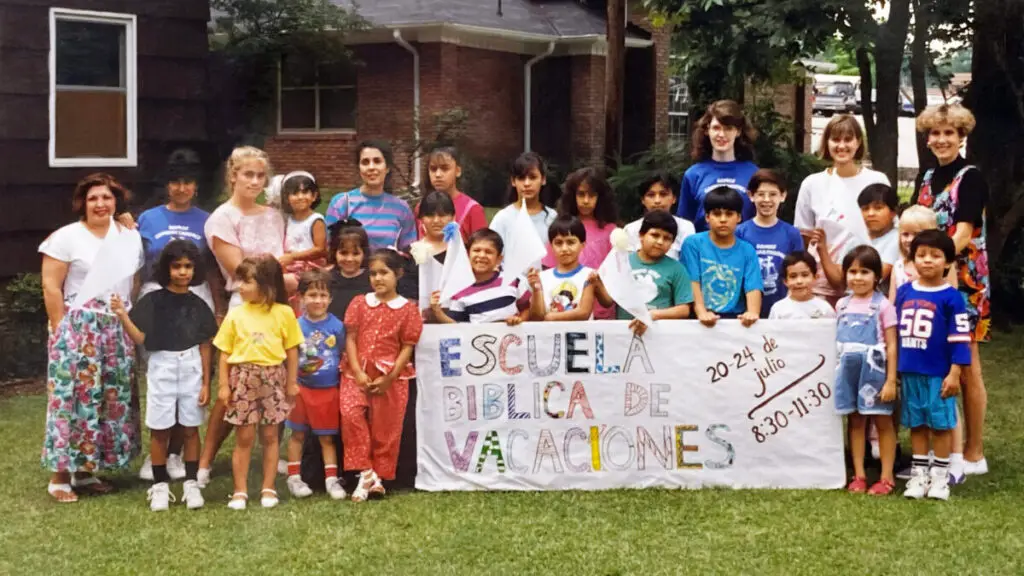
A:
(973, 191)
(173, 322)
(344, 290)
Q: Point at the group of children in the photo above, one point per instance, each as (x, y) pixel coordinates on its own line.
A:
(345, 362)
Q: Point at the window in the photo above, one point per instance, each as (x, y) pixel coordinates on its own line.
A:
(678, 112)
(316, 97)
(92, 89)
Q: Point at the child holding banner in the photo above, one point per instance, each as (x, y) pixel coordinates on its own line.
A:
(935, 337)
(489, 299)
(798, 271)
(658, 193)
(865, 366)
(725, 270)
(564, 293)
(382, 329)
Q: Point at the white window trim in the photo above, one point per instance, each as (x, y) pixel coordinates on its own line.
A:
(131, 85)
(316, 107)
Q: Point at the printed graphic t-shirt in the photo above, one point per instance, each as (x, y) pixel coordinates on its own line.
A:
(665, 283)
(725, 274)
(320, 352)
(772, 245)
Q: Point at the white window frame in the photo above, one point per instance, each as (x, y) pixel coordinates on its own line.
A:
(316, 106)
(131, 87)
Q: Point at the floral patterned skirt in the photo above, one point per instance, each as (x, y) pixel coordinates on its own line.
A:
(92, 413)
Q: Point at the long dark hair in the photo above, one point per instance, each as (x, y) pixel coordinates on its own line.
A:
(605, 212)
(728, 113)
(267, 273)
(350, 230)
(385, 151)
(175, 250)
(521, 167)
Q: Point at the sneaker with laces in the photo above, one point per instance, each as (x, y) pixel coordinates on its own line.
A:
(192, 495)
(334, 489)
(175, 467)
(917, 486)
(159, 496)
(203, 477)
(297, 487)
(146, 472)
(938, 488)
(905, 473)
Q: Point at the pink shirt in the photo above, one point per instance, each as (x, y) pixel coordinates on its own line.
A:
(469, 214)
(255, 234)
(597, 247)
(886, 313)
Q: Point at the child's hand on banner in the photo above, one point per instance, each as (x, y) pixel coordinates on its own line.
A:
(637, 327)
(707, 318)
(748, 318)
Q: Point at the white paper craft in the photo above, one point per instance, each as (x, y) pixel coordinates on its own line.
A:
(524, 249)
(617, 276)
(118, 258)
(453, 276)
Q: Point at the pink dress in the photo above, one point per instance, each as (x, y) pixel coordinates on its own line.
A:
(595, 250)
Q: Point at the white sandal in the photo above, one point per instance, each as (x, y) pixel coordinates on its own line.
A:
(268, 498)
(55, 489)
(238, 501)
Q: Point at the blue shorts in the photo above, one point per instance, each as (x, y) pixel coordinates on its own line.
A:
(923, 404)
(859, 384)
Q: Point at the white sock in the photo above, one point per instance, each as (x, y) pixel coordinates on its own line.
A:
(956, 459)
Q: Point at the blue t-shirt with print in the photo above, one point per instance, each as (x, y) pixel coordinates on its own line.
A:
(158, 226)
(320, 352)
(725, 274)
(704, 177)
(772, 245)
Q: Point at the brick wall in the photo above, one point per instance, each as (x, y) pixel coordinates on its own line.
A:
(662, 37)
(587, 115)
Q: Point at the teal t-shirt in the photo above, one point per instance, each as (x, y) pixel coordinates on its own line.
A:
(725, 274)
(666, 280)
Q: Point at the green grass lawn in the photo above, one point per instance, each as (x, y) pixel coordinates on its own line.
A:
(979, 531)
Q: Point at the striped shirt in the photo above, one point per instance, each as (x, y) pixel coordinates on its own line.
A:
(387, 219)
(489, 301)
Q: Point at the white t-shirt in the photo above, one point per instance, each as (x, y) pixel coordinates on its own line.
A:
(789, 309)
(685, 229)
(299, 235)
(502, 222)
(75, 245)
(888, 246)
(564, 290)
(830, 202)
(899, 275)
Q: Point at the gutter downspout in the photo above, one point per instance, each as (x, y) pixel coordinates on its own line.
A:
(528, 95)
(417, 168)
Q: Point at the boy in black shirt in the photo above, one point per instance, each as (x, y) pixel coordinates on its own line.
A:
(176, 327)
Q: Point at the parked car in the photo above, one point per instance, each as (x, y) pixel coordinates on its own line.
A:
(834, 98)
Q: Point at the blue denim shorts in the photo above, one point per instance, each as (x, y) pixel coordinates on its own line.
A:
(859, 384)
(923, 404)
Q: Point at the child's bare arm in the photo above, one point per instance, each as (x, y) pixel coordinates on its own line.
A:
(137, 336)
(224, 385)
(435, 306)
(889, 388)
(600, 292)
(833, 271)
(319, 249)
(753, 311)
(206, 355)
(291, 365)
(677, 312)
(892, 292)
(706, 317)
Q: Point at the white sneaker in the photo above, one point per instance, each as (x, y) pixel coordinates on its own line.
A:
(975, 468)
(297, 487)
(192, 496)
(159, 496)
(203, 477)
(175, 467)
(939, 486)
(335, 489)
(282, 467)
(146, 472)
(917, 486)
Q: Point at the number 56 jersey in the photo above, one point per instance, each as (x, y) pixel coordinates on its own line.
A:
(934, 331)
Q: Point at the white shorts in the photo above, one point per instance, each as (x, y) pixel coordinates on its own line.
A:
(174, 380)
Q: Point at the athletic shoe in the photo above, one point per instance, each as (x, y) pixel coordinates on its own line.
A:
(297, 487)
(857, 485)
(159, 496)
(939, 487)
(905, 473)
(146, 472)
(917, 486)
(203, 477)
(957, 477)
(975, 468)
(282, 467)
(175, 467)
(335, 489)
(192, 496)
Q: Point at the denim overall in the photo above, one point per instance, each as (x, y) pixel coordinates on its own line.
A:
(860, 360)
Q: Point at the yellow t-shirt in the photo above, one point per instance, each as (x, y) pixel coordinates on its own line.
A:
(253, 334)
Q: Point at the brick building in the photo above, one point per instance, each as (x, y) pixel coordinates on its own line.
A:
(530, 76)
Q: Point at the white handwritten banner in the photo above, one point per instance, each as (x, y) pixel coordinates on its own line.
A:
(585, 405)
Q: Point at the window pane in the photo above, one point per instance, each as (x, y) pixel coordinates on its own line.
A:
(338, 108)
(337, 74)
(298, 109)
(90, 54)
(297, 71)
(91, 124)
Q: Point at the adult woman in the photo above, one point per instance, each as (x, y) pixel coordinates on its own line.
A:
(178, 219)
(92, 413)
(827, 213)
(723, 149)
(237, 229)
(387, 219)
(957, 192)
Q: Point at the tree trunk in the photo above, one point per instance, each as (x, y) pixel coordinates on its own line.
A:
(867, 105)
(919, 65)
(996, 96)
(615, 76)
(889, 46)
